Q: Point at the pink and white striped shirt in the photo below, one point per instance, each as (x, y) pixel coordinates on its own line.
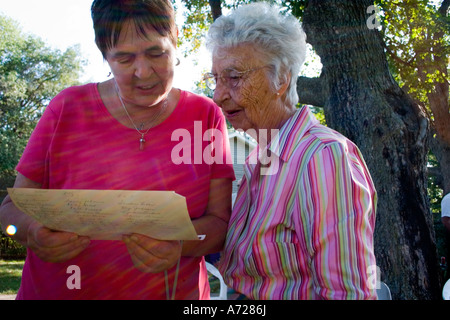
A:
(306, 230)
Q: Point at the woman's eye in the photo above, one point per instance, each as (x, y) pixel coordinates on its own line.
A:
(125, 60)
(233, 77)
(155, 54)
(232, 74)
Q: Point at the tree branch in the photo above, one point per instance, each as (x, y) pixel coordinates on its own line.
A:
(444, 8)
(312, 91)
(396, 58)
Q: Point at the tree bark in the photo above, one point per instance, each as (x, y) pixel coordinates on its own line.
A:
(365, 104)
(312, 91)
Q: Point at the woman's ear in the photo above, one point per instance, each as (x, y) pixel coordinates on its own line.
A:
(284, 82)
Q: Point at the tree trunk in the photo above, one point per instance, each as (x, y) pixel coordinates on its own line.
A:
(364, 103)
(216, 8)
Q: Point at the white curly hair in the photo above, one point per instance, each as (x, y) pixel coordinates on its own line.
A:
(279, 36)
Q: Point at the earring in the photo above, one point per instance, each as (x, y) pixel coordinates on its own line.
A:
(178, 62)
(109, 74)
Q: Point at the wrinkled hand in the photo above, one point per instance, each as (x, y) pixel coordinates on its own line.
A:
(151, 255)
(54, 246)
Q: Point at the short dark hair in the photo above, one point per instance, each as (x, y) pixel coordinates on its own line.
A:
(108, 17)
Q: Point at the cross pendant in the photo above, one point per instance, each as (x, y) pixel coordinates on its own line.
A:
(141, 143)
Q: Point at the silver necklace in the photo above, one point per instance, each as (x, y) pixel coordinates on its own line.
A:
(142, 134)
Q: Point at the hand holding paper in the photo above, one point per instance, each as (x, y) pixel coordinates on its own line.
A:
(150, 255)
(54, 246)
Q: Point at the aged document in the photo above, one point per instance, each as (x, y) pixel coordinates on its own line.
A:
(108, 214)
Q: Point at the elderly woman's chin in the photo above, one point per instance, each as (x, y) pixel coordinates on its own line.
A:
(238, 121)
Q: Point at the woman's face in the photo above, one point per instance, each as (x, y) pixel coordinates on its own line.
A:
(143, 66)
(253, 103)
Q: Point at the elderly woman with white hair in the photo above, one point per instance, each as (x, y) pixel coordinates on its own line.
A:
(303, 221)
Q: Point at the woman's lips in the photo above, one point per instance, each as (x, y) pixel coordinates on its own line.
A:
(146, 88)
(232, 113)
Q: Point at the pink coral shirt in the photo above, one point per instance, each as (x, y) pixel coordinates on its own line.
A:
(77, 144)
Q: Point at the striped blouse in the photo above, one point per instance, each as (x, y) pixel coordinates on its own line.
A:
(304, 228)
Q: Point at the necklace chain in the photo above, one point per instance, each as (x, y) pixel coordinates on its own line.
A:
(142, 134)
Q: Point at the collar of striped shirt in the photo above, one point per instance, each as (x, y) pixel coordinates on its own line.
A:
(285, 141)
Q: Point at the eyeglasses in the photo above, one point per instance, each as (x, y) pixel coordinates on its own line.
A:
(231, 78)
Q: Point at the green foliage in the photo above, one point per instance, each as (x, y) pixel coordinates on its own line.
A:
(198, 18)
(417, 41)
(296, 7)
(31, 74)
(319, 114)
(435, 194)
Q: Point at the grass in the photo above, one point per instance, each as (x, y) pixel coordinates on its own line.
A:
(10, 276)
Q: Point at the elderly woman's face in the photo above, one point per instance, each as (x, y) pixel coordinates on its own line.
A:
(142, 66)
(253, 103)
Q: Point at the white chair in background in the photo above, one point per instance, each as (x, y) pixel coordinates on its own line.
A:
(223, 287)
(446, 290)
(383, 291)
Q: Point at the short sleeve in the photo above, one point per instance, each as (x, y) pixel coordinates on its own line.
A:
(32, 164)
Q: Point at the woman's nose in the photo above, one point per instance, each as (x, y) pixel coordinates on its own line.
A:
(221, 93)
(143, 68)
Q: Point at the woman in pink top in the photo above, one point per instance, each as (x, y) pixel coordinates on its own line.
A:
(120, 134)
